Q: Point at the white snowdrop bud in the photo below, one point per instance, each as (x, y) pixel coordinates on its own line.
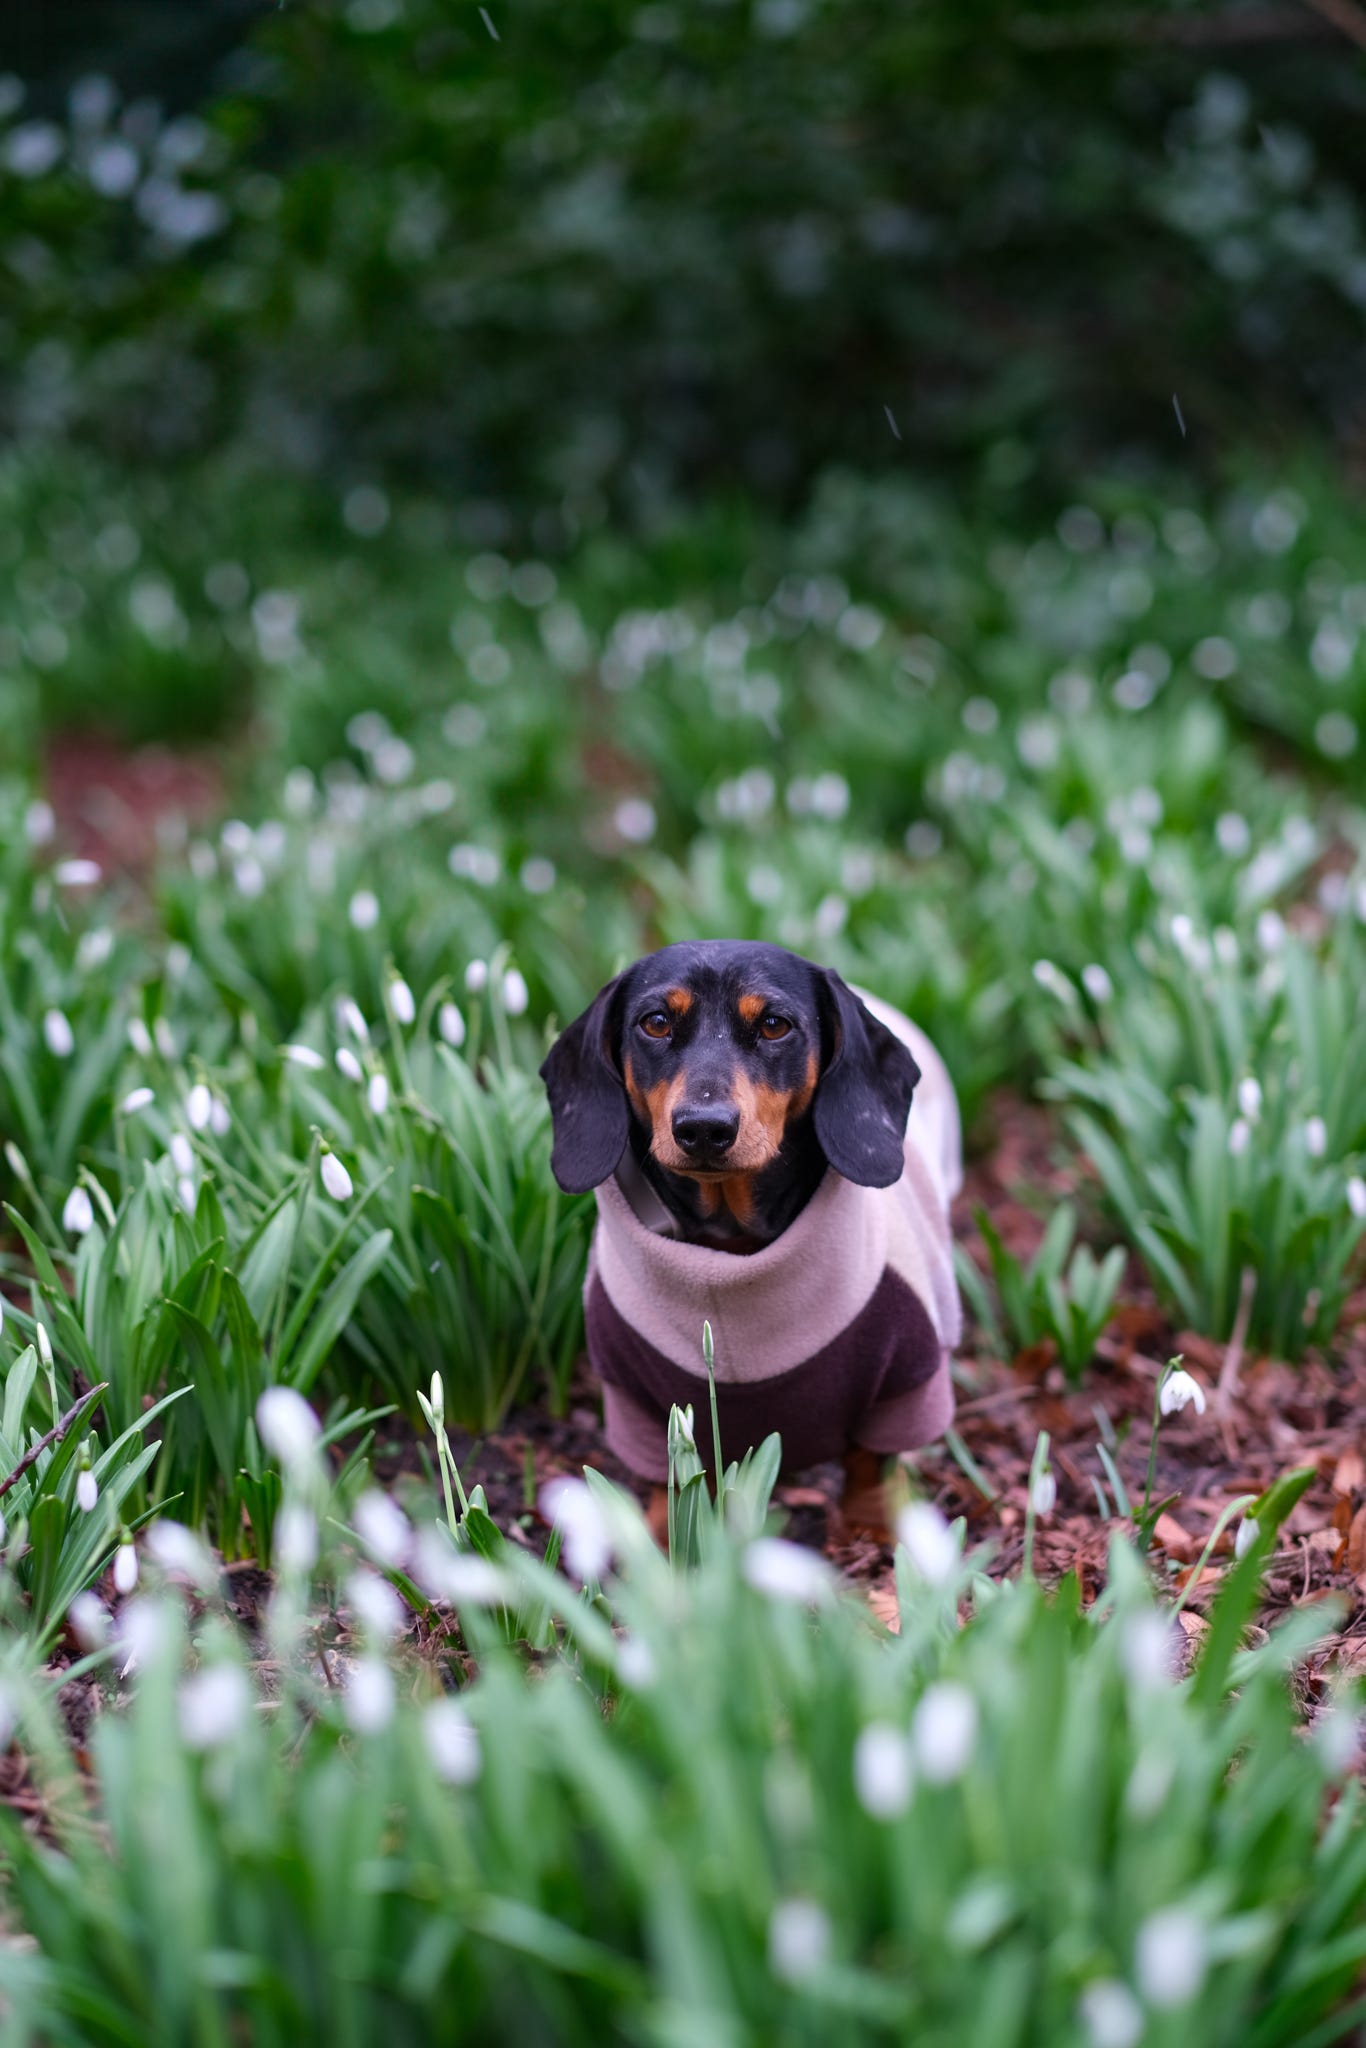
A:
(1043, 1495)
(77, 874)
(185, 1194)
(1356, 1196)
(383, 1528)
(636, 1665)
(515, 993)
(375, 1604)
(944, 1731)
(1170, 1958)
(1239, 1137)
(287, 1425)
(40, 823)
(451, 1025)
(377, 1094)
(125, 1566)
(181, 1153)
(198, 1107)
(303, 1056)
(165, 1038)
(363, 910)
(883, 1774)
(928, 1541)
(570, 1507)
(295, 1541)
(348, 1064)
(786, 1571)
(212, 1705)
(57, 1031)
(140, 1038)
(798, 1939)
(335, 1177)
(452, 1742)
(1182, 931)
(135, 1100)
(87, 1490)
(1315, 1137)
(350, 1018)
(1248, 1532)
(89, 1618)
(369, 1696)
(1146, 1647)
(1178, 1390)
(44, 1343)
(220, 1121)
(476, 977)
(401, 1001)
(78, 1216)
(1250, 1098)
(1097, 983)
(1271, 931)
(180, 1552)
(1111, 2015)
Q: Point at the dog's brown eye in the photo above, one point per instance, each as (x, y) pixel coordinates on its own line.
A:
(657, 1025)
(772, 1026)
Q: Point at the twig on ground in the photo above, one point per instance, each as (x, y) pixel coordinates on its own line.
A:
(58, 1430)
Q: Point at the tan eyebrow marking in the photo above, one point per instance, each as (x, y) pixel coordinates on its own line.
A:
(752, 1008)
(679, 1000)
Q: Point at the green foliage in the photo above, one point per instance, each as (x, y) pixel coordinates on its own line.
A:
(1048, 1299)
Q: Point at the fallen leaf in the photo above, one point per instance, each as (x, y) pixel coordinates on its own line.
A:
(1350, 1474)
(1356, 1544)
(1176, 1541)
(882, 1599)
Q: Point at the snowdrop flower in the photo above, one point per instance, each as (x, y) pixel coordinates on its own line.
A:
(287, 1426)
(515, 993)
(1111, 2015)
(1316, 1137)
(786, 1571)
(383, 1528)
(798, 1939)
(77, 1214)
(1337, 1737)
(1225, 945)
(220, 1122)
(44, 1343)
(1271, 931)
(1179, 1388)
(452, 1742)
(401, 1001)
(1250, 1098)
(295, 1542)
(185, 1194)
(1182, 931)
(198, 1107)
(1145, 1648)
(180, 1552)
(369, 1697)
(140, 1038)
(61, 1039)
(928, 1541)
(348, 1064)
(1248, 1532)
(335, 1177)
(457, 1576)
(636, 1663)
(87, 1490)
(570, 1506)
(1051, 978)
(212, 1704)
(125, 1566)
(1170, 1958)
(1356, 1196)
(94, 949)
(944, 1731)
(303, 1056)
(363, 910)
(1043, 1495)
(451, 1025)
(76, 874)
(136, 1099)
(1239, 1136)
(476, 977)
(89, 1618)
(350, 1018)
(883, 1774)
(40, 823)
(181, 1153)
(164, 1036)
(1097, 983)
(375, 1603)
(377, 1094)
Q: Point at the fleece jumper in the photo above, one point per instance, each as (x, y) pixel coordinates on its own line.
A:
(837, 1334)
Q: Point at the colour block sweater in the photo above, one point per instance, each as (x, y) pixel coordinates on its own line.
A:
(837, 1334)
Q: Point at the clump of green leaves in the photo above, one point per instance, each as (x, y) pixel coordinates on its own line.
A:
(1047, 1299)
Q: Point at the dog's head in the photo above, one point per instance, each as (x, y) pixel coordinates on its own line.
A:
(718, 1050)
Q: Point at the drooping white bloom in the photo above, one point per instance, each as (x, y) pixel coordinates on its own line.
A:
(1097, 983)
(1146, 1647)
(136, 1099)
(1315, 1137)
(164, 1036)
(44, 1342)
(455, 1577)
(369, 1696)
(185, 1194)
(350, 1018)
(1182, 931)
(798, 1939)
(572, 1508)
(786, 1571)
(363, 910)
(94, 948)
(78, 1216)
(452, 1742)
(401, 1001)
(220, 1120)
(515, 993)
(287, 1426)
(1271, 931)
(1170, 1958)
(140, 1038)
(303, 1056)
(40, 823)
(1356, 1196)
(476, 977)
(1248, 1532)
(181, 1553)
(928, 1541)
(87, 1490)
(182, 1153)
(636, 1665)
(295, 1540)
(125, 1566)
(335, 1177)
(77, 874)
(1250, 1098)
(383, 1528)
(1178, 1390)
(89, 1618)
(349, 1065)
(1239, 1136)
(1337, 1737)
(198, 1106)
(1043, 1495)
(212, 1705)
(884, 1777)
(1111, 2015)
(375, 1603)
(377, 1094)
(944, 1731)
(451, 1025)
(57, 1031)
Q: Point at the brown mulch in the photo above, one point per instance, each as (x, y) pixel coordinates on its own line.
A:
(112, 803)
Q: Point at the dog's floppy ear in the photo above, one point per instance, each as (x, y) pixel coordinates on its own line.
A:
(587, 1099)
(864, 1095)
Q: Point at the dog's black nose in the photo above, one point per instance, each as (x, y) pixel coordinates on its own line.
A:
(708, 1130)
